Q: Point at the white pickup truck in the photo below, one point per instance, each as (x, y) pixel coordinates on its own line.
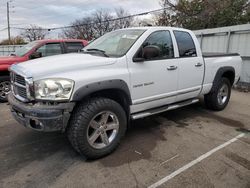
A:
(124, 75)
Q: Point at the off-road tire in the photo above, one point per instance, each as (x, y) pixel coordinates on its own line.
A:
(80, 119)
(211, 99)
(4, 79)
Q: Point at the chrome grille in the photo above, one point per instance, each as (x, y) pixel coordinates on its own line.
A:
(22, 92)
(19, 86)
(19, 79)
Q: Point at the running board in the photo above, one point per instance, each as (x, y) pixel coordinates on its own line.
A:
(163, 109)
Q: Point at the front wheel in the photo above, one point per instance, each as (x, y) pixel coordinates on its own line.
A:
(4, 88)
(219, 97)
(96, 127)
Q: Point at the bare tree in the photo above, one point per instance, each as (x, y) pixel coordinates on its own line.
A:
(13, 41)
(90, 27)
(102, 23)
(81, 29)
(124, 19)
(98, 23)
(34, 33)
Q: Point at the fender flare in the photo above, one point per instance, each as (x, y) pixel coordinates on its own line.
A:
(86, 90)
(219, 74)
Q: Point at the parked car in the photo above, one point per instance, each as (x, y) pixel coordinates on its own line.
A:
(122, 76)
(33, 50)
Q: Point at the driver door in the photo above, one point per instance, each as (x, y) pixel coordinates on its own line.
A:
(154, 82)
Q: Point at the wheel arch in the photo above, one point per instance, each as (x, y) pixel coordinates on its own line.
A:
(227, 72)
(116, 90)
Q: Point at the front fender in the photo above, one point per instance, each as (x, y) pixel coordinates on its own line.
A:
(99, 86)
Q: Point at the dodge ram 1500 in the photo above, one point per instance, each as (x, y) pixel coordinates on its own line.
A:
(122, 76)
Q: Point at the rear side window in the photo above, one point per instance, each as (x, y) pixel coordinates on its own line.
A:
(185, 44)
(50, 49)
(73, 46)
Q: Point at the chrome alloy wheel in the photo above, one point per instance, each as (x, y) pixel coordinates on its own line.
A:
(4, 89)
(223, 94)
(102, 130)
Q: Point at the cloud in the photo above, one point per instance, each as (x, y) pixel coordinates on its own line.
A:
(54, 13)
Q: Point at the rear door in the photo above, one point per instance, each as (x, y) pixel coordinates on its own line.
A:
(191, 66)
(72, 47)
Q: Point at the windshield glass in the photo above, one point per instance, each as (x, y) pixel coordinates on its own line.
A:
(25, 49)
(116, 43)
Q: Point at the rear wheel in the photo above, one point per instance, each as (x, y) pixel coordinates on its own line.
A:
(219, 97)
(96, 127)
(4, 88)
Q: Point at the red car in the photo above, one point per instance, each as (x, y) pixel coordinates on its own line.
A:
(33, 50)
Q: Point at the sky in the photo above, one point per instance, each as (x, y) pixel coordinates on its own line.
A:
(54, 13)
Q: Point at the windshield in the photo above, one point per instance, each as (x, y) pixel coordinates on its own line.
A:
(25, 49)
(116, 43)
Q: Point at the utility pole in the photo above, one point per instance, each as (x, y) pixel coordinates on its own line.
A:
(8, 19)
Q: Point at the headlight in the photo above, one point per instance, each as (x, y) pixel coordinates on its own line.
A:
(53, 89)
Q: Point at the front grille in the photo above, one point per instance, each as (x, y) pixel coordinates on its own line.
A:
(22, 92)
(19, 86)
(19, 79)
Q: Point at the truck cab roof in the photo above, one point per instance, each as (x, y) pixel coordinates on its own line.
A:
(153, 28)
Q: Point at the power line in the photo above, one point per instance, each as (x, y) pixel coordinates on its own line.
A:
(110, 20)
(92, 23)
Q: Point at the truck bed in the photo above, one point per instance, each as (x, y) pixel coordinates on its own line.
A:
(216, 61)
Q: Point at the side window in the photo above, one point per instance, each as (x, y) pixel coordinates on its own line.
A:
(73, 46)
(185, 44)
(50, 49)
(163, 41)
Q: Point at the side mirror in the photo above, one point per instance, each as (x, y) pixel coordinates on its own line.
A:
(35, 55)
(148, 52)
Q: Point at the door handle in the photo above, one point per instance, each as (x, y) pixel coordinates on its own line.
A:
(173, 67)
(198, 64)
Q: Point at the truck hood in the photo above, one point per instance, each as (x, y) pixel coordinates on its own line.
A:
(9, 59)
(63, 63)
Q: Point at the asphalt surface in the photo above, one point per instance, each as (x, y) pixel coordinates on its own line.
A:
(153, 148)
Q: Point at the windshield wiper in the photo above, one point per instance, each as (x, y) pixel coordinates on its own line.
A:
(97, 50)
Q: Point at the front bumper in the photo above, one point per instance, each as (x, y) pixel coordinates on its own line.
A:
(41, 117)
